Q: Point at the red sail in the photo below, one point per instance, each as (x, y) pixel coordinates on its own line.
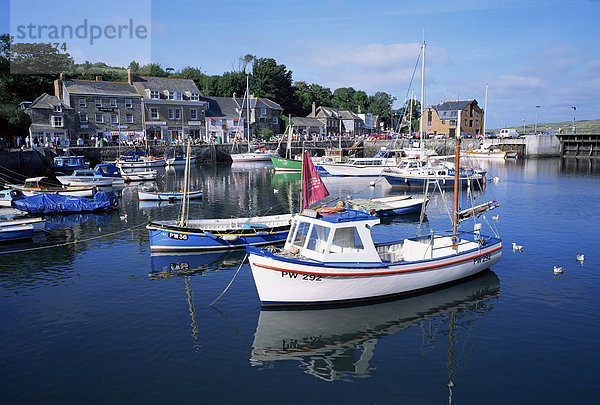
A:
(313, 188)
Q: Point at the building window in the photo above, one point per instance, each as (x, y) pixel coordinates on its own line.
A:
(128, 103)
(470, 123)
(83, 117)
(154, 94)
(129, 118)
(174, 114)
(82, 102)
(99, 118)
(465, 122)
(57, 121)
(98, 102)
(113, 102)
(443, 122)
(195, 97)
(114, 119)
(263, 112)
(57, 108)
(275, 120)
(452, 123)
(193, 114)
(175, 95)
(154, 113)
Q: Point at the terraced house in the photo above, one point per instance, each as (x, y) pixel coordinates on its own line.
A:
(442, 118)
(109, 110)
(173, 108)
(51, 121)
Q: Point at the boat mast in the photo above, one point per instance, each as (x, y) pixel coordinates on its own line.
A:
(186, 180)
(248, 109)
(456, 179)
(422, 94)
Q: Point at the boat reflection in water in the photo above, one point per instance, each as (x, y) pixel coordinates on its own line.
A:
(338, 343)
(184, 264)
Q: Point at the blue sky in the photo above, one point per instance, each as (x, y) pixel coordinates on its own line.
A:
(529, 52)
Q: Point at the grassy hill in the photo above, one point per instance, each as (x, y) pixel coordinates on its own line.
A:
(583, 127)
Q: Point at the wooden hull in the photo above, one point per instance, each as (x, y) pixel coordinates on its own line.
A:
(218, 234)
(286, 165)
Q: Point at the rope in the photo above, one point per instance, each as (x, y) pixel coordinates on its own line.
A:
(72, 242)
(231, 282)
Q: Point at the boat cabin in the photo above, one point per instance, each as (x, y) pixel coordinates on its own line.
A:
(343, 237)
(108, 170)
(40, 183)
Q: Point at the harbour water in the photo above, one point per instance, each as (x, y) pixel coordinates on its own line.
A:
(104, 321)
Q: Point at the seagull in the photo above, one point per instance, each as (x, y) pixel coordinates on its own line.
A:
(580, 257)
(275, 191)
(558, 270)
(496, 179)
(517, 248)
(495, 218)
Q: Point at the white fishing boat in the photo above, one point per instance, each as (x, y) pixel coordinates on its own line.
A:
(6, 196)
(138, 175)
(330, 257)
(389, 206)
(179, 161)
(366, 167)
(149, 195)
(139, 162)
(484, 152)
(86, 177)
(417, 173)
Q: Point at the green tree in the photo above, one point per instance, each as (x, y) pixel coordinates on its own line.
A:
(231, 82)
(153, 69)
(343, 98)
(38, 58)
(134, 66)
(381, 104)
(274, 82)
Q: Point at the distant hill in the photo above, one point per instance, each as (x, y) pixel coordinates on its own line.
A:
(583, 127)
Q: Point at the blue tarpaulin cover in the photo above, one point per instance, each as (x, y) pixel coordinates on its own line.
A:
(46, 203)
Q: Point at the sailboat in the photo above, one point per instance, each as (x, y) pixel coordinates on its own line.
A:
(330, 257)
(260, 154)
(186, 234)
(287, 163)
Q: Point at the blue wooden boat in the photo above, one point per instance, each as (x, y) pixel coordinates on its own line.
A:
(218, 234)
(12, 233)
(110, 171)
(416, 173)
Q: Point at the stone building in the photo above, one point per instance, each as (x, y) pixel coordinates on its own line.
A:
(109, 110)
(223, 120)
(173, 108)
(308, 126)
(52, 121)
(442, 118)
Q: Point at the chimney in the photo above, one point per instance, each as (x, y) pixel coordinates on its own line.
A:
(129, 76)
(98, 78)
(314, 110)
(359, 110)
(234, 94)
(57, 85)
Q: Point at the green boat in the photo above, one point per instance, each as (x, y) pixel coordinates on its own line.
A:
(286, 165)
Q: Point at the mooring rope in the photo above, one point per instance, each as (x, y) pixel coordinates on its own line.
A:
(231, 282)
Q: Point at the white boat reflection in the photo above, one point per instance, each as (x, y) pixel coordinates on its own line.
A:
(172, 264)
(338, 343)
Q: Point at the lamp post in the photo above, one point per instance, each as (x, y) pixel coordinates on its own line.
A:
(523, 126)
(537, 108)
(573, 131)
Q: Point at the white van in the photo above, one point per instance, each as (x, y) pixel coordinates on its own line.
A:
(509, 133)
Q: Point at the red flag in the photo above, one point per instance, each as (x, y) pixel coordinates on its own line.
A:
(313, 188)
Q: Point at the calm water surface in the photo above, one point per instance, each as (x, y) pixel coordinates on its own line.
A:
(103, 321)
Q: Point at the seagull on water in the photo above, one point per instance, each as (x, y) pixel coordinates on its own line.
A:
(558, 270)
(517, 248)
(495, 218)
(580, 257)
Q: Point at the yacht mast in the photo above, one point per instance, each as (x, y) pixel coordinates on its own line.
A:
(422, 92)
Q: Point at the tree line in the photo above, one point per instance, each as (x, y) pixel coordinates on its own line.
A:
(25, 68)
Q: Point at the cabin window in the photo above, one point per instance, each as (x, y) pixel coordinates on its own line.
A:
(318, 238)
(301, 233)
(346, 240)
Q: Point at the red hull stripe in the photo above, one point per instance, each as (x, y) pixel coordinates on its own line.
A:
(376, 273)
